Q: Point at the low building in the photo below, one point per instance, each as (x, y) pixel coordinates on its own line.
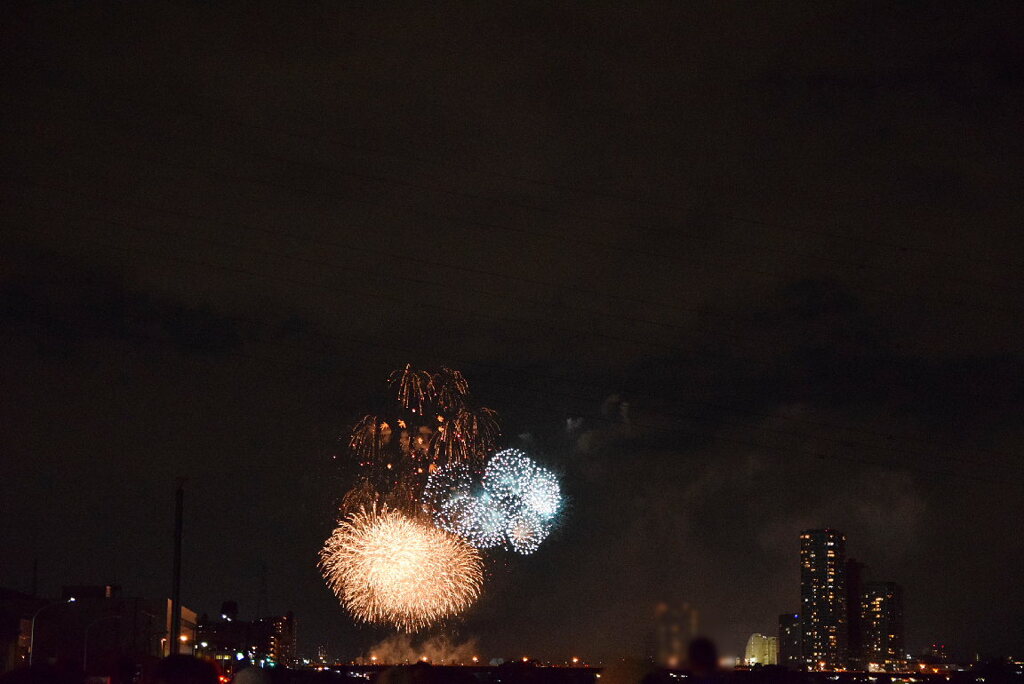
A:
(93, 625)
(231, 642)
(185, 642)
(761, 650)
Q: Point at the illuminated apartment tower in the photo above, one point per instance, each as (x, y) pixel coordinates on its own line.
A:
(823, 599)
(881, 619)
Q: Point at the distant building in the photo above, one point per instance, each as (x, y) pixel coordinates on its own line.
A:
(789, 641)
(823, 599)
(762, 650)
(276, 638)
(856, 575)
(937, 654)
(674, 627)
(226, 641)
(267, 642)
(881, 618)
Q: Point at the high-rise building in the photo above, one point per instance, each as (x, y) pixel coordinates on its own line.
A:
(789, 641)
(856, 575)
(762, 650)
(823, 599)
(881, 618)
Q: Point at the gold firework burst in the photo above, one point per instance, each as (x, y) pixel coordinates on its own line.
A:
(388, 567)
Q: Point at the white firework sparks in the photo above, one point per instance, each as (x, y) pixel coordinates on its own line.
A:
(515, 505)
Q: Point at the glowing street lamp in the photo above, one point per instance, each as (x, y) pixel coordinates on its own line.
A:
(32, 637)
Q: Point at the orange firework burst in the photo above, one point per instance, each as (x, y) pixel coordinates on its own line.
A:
(388, 567)
(431, 423)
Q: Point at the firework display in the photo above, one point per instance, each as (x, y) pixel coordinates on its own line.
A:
(431, 423)
(521, 484)
(515, 503)
(388, 567)
(405, 551)
(525, 531)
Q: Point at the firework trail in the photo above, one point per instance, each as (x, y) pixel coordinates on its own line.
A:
(388, 567)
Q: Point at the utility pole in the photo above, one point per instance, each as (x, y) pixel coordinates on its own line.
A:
(179, 506)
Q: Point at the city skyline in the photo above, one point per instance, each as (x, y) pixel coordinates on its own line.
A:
(876, 607)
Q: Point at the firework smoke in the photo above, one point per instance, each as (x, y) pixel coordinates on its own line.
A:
(403, 649)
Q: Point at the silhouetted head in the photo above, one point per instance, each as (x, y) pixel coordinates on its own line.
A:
(703, 656)
(251, 675)
(184, 669)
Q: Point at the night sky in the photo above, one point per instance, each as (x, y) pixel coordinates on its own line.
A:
(731, 269)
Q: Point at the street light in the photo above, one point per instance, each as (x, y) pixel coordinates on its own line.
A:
(85, 646)
(32, 637)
